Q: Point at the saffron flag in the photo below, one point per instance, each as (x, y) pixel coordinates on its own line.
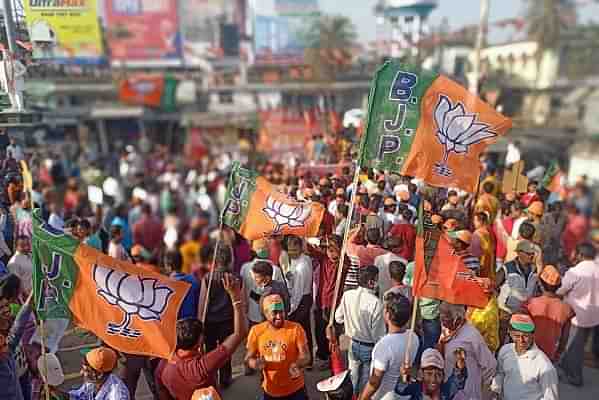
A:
(440, 273)
(425, 125)
(132, 310)
(255, 209)
(552, 180)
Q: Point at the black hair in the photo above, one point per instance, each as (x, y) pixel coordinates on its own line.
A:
(587, 251)
(189, 331)
(368, 274)
(263, 268)
(488, 187)
(10, 286)
(343, 209)
(451, 193)
(549, 288)
(484, 218)
(527, 230)
(407, 214)
(85, 224)
(207, 253)
(72, 223)
(397, 270)
(373, 235)
(398, 307)
(174, 259)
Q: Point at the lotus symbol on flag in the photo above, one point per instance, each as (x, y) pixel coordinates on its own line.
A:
(456, 131)
(145, 297)
(282, 214)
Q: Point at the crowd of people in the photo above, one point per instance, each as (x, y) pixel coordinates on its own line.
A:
(278, 295)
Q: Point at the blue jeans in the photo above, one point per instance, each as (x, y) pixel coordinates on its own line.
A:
(359, 358)
(431, 332)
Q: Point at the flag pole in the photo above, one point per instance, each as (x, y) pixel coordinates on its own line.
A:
(45, 362)
(350, 215)
(412, 327)
(211, 276)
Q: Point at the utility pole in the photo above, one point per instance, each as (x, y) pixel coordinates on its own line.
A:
(480, 41)
(9, 22)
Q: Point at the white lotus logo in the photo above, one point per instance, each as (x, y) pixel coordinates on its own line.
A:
(144, 297)
(456, 130)
(285, 214)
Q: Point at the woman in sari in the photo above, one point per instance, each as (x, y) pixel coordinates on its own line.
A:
(486, 320)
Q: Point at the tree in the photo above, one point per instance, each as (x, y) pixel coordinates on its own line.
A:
(547, 20)
(329, 40)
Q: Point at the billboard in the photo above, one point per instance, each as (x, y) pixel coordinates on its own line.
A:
(143, 32)
(64, 32)
(296, 7)
(200, 20)
(278, 40)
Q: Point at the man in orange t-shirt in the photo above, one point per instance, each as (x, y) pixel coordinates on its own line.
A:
(279, 348)
(551, 315)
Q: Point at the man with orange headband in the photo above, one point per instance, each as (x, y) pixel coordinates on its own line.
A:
(279, 348)
(100, 382)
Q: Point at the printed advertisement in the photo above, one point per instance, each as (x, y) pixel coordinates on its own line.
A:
(64, 31)
(143, 32)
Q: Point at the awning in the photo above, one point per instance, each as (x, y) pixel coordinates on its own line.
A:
(116, 112)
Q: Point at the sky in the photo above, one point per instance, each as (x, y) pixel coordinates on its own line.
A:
(459, 12)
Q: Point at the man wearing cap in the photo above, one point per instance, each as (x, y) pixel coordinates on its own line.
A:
(579, 289)
(460, 241)
(100, 382)
(433, 384)
(551, 315)
(524, 372)
(279, 348)
(517, 282)
(406, 232)
(389, 214)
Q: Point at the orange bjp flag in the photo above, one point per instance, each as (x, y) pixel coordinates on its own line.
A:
(441, 274)
(255, 209)
(131, 309)
(455, 128)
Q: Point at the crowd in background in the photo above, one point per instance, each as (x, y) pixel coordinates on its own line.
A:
(537, 249)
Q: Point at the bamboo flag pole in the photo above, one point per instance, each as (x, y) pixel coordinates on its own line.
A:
(412, 327)
(211, 276)
(350, 215)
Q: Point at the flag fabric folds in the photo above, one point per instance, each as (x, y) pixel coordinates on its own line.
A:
(552, 180)
(132, 310)
(425, 125)
(440, 273)
(255, 209)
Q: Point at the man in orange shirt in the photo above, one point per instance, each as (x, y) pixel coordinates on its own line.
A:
(279, 348)
(551, 315)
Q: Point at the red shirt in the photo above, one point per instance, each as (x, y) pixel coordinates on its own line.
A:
(550, 314)
(148, 232)
(178, 379)
(407, 234)
(326, 278)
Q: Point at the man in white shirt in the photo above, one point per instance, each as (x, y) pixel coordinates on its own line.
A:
(15, 151)
(580, 286)
(255, 280)
(297, 268)
(20, 264)
(389, 354)
(382, 263)
(524, 372)
(361, 311)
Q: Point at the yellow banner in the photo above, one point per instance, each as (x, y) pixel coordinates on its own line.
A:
(64, 30)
